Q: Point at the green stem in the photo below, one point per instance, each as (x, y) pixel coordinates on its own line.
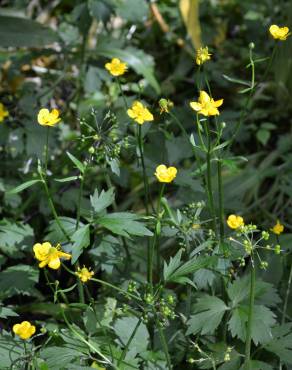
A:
(80, 198)
(122, 93)
(209, 178)
(221, 202)
(124, 353)
(145, 179)
(247, 102)
(250, 316)
(164, 344)
(53, 210)
(47, 150)
(287, 296)
(154, 241)
(286, 304)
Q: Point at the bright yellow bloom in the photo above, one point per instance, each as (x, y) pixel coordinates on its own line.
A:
(49, 255)
(3, 112)
(279, 33)
(140, 113)
(235, 222)
(47, 118)
(206, 105)
(202, 55)
(84, 274)
(165, 174)
(24, 330)
(278, 228)
(116, 67)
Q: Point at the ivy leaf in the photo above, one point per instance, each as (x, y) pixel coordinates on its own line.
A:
(81, 239)
(101, 201)
(210, 311)
(124, 223)
(24, 279)
(281, 344)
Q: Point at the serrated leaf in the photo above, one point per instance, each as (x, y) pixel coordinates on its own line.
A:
(81, 239)
(210, 311)
(7, 312)
(55, 234)
(24, 278)
(124, 223)
(281, 344)
(124, 328)
(23, 186)
(101, 201)
(263, 320)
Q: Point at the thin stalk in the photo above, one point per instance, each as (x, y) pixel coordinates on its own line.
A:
(287, 297)
(250, 316)
(47, 150)
(209, 178)
(246, 105)
(79, 199)
(125, 350)
(164, 344)
(122, 93)
(53, 210)
(154, 241)
(286, 305)
(221, 200)
(145, 179)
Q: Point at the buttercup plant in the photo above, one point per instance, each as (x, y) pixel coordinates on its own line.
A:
(149, 260)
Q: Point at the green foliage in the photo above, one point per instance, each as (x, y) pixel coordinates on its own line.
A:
(156, 278)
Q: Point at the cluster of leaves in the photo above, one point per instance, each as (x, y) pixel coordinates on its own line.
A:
(53, 54)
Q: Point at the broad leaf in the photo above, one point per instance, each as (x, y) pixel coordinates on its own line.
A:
(124, 223)
(210, 311)
(101, 201)
(81, 239)
(20, 32)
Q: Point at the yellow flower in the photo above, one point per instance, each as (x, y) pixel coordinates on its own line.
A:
(165, 174)
(47, 118)
(84, 274)
(116, 67)
(140, 113)
(206, 105)
(278, 228)
(202, 55)
(165, 105)
(24, 330)
(49, 255)
(3, 112)
(279, 33)
(235, 222)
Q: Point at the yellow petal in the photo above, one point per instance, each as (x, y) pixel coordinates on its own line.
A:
(196, 106)
(218, 103)
(204, 97)
(54, 263)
